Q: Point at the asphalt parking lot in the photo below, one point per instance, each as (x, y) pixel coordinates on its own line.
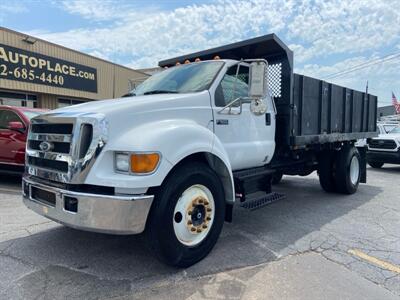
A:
(311, 245)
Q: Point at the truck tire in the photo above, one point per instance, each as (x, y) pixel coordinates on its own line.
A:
(326, 171)
(277, 177)
(375, 164)
(187, 215)
(348, 170)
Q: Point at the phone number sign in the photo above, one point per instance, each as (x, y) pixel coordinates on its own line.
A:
(20, 65)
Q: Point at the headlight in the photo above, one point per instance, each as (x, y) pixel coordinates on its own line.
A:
(122, 162)
(139, 163)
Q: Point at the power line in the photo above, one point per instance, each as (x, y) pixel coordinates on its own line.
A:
(364, 65)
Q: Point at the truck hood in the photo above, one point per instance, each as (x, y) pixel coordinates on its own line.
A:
(389, 136)
(128, 105)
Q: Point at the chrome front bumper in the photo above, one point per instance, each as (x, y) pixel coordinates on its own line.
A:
(94, 212)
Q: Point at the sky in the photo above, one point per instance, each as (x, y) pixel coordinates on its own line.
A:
(359, 38)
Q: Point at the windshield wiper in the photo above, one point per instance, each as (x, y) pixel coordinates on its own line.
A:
(130, 94)
(160, 92)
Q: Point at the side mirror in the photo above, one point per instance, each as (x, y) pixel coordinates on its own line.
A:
(16, 126)
(258, 80)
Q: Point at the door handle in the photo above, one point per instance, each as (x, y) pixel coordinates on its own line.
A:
(222, 122)
(267, 119)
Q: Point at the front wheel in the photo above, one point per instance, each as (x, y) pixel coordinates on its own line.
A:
(187, 215)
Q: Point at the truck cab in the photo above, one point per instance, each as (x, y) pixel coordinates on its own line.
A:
(173, 158)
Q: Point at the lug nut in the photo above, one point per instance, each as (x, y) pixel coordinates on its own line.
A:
(208, 209)
(204, 226)
(201, 201)
(193, 229)
(189, 212)
(206, 203)
(190, 222)
(208, 219)
(198, 230)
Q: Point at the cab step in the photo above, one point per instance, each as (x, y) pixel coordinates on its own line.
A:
(251, 181)
(260, 199)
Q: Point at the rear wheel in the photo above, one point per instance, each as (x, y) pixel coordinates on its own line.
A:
(348, 170)
(375, 165)
(326, 171)
(187, 215)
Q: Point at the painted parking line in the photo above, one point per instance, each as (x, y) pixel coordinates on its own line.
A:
(376, 261)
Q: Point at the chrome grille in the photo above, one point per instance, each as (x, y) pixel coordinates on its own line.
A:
(63, 148)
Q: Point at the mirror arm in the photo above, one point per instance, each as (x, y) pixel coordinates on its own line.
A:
(229, 105)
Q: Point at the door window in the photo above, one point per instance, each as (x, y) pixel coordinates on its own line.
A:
(6, 117)
(232, 87)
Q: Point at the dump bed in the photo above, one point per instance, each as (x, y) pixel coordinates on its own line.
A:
(324, 112)
(310, 111)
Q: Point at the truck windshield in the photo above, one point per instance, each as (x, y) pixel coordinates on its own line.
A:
(188, 78)
(395, 130)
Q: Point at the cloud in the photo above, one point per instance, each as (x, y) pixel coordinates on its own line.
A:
(168, 33)
(326, 36)
(108, 10)
(11, 7)
(330, 27)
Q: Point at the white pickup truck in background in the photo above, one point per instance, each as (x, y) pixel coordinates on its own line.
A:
(172, 159)
(386, 147)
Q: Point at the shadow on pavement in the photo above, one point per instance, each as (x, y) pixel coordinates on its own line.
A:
(10, 181)
(386, 168)
(64, 261)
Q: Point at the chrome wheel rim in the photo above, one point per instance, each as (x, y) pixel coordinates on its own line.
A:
(354, 170)
(194, 215)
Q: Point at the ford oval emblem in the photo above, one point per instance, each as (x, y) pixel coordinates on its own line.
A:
(45, 146)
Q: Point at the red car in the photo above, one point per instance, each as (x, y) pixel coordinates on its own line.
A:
(14, 124)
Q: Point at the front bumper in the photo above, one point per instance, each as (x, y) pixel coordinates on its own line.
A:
(116, 214)
(383, 156)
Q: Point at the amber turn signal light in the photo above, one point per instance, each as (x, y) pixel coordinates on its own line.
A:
(144, 162)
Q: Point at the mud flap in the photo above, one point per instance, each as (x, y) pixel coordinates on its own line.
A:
(363, 164)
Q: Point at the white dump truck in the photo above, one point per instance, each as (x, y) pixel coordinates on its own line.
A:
(173, 157)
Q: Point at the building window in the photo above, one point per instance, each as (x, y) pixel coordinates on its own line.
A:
(18, 99)
(62, 102)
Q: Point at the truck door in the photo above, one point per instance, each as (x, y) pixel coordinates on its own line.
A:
(248, 139)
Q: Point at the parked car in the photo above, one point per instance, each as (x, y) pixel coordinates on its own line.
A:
(384, 149)
(14, 124)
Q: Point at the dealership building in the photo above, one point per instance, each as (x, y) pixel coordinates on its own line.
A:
(37, 73)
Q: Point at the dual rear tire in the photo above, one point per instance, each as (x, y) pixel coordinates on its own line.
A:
(340, 171)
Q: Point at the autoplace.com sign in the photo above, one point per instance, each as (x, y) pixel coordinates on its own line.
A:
(21, 65)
